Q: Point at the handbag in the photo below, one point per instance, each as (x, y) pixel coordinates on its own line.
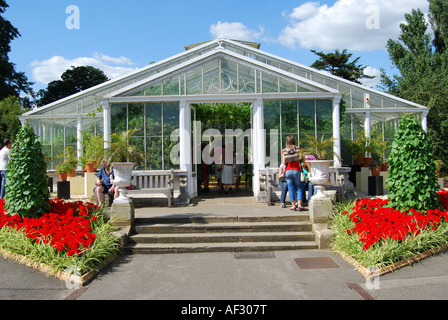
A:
(302, 177)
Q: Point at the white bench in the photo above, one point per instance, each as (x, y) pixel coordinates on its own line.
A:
(153, 182)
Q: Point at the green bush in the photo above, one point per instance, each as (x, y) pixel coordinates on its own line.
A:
(27, 191)
(412, 181)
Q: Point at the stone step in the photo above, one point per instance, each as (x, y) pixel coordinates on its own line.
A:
(283, 226)
(224, 237)
(157, 248)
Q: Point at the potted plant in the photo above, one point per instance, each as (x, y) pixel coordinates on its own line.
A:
(375, 165)
(68, 165)
(358, 148)
(93, 150)
(123, 156)
(320, 168)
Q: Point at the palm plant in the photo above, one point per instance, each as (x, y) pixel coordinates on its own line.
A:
(321, 147)
(122, 150)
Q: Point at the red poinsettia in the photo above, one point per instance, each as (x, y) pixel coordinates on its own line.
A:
(67, 227)
(374, 221)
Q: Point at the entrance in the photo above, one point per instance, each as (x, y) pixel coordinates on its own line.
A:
(223, 163)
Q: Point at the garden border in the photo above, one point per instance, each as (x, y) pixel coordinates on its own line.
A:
(366, 273)
(61, 275)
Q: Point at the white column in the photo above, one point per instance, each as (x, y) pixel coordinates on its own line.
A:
(185, 150)
(79, 149)
(367, 115)
(258, 142)
(106, 123)
(337, 131)
(425, 120)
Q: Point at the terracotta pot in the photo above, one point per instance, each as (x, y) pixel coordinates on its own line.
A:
(63, 176)
(367, 161)
(384, 166)
(359, 160)
(90, 167)
(376, 171)
(73, 173)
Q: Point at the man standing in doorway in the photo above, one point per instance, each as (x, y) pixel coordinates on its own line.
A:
(4, 160)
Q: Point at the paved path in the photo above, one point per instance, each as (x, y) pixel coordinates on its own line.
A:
(228, 276)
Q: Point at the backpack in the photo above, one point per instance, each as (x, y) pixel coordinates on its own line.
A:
(291, 155)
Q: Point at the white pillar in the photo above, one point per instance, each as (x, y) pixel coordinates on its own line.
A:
(106, 123)
(185, 150)
(367, 115)
(425, 120)
(258, 142)
(337, 131)
(79, 149)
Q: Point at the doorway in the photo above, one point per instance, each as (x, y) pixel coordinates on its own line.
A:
(222, 127)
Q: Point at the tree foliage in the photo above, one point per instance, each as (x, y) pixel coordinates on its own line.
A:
(12, 83)
(27, 191)
(421, 57)
(72, 81)
(10, 110)
(412, 181)
(338, 64)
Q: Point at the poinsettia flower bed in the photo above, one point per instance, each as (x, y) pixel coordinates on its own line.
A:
(71, 234)
(377, 235)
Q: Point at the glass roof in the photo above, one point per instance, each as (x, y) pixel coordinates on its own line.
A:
(244, 70)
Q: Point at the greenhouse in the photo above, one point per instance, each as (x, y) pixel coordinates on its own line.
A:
(162, 101)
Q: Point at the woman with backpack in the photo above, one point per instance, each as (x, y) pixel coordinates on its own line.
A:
(292, 159)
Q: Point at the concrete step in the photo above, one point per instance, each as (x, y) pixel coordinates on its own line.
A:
(224, 237)
(157, 248)
(224, 227)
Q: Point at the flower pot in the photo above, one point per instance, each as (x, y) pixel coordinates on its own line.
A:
(73, 173)
(359, 160)
(375, 171)
(319, 176)
(384, 166)
(63, 176)
(123, 175)
(367, 161)
(90, 167)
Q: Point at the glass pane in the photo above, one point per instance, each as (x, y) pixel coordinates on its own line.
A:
(153, 119)
(170, 126)
(154, 150)
(136, 118)
(289, 118)
(324, 119)
(194, 81)
(211, 77)
(171, 86)
(71, 129)
(229, 76)
(154, 90)
(307, 118)
(270, 83)
(119, 116)
(287, 86)
(246, 79)
(271, 112)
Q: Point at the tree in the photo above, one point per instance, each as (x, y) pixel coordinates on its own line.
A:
(12, 83)
(27, 191)
(337, 63)
(422, 62)
(10, 110)
(72, 81)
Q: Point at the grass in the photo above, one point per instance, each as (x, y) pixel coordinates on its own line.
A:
(385, 252)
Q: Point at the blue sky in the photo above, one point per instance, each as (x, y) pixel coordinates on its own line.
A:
(121, 36)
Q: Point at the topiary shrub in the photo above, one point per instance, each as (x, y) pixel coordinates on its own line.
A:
(27, 191)
(412, 181)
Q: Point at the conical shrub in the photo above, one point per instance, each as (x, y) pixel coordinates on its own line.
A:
(412, 181)
(27, 191)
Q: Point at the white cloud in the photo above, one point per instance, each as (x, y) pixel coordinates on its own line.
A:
(235, 30)
(51, 69)
(347, 24)
(374, 72)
